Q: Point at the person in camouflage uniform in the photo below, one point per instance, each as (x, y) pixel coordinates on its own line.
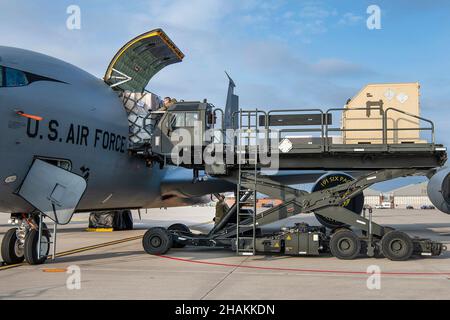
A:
(221, 209)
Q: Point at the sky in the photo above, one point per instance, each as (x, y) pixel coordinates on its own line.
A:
(280, 53)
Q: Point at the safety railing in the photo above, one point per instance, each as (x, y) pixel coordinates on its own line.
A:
(222, 126)
(419, 129)
(248, 127)
(325, 131)
(306, 128)
(322, 133)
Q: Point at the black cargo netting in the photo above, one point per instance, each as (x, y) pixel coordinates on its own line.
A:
(140, 122)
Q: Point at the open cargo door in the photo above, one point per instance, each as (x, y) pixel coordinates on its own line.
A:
(140, 59)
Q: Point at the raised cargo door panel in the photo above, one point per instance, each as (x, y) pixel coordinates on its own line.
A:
(135, 64)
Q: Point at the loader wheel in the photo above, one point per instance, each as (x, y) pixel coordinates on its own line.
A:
(397, 246)
(179, 227)
(157, 241)
(345, 244)
(12, 250)
(31, 246)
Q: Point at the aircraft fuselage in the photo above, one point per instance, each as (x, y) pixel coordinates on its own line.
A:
(83, 124)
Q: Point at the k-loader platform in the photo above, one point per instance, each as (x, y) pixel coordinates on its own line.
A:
(238, 153)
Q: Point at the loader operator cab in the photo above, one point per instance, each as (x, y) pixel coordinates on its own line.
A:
(183, 125)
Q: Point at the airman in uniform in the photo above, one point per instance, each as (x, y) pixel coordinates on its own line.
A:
(221, 209)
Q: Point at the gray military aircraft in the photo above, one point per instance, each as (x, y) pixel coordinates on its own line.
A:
(65, 144)
(56, 113)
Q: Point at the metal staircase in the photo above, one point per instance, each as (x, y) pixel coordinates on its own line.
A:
(247, 183)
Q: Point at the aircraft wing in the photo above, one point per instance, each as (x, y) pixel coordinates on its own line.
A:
(177, 182)
(302, 177)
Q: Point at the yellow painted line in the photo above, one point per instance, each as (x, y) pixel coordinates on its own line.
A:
(97, 246)
(88, 248)
(99, 229)
(83, 249)
(12, 266)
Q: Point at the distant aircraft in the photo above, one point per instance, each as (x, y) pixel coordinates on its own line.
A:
(65, 139)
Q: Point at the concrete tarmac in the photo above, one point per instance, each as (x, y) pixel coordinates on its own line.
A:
(125, 271)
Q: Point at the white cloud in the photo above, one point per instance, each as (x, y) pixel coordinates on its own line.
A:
(338, 67)
(350, 19)
(316, 12)
(266, 67)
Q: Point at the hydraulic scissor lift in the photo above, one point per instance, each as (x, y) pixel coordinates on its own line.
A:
(241, 229)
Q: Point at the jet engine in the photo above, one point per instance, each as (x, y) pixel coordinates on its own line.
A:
(334, 179)
(439, 190)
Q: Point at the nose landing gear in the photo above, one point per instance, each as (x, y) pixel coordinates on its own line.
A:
(35, 250)
(30, 241)
(12, 248)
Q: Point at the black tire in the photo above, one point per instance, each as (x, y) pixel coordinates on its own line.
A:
(179, 227)
(157, 241)
(31, 246)
(355, 204)
(397, 246)
(345, 244)
(11, 251)
(388, 229)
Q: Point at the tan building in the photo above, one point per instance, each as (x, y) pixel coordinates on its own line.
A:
(372, 197)
(261, 203)
(413, 195)
(363, 112)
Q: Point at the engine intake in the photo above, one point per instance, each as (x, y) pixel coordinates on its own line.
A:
(439, 190)
(332, 180)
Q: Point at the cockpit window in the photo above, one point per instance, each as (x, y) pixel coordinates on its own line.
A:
(10, 77)
(15, 78)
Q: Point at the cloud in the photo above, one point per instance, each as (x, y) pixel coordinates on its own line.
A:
(340, 68)
(350, 19)
(268, 67)
(314, 11)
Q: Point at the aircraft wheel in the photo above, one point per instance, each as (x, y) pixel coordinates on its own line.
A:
(12, 250)
(31, 246)
(397, 246)
(179, 227)
(157, 241)
(345, 244)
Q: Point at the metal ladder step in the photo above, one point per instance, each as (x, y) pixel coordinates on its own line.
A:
(247, 195)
